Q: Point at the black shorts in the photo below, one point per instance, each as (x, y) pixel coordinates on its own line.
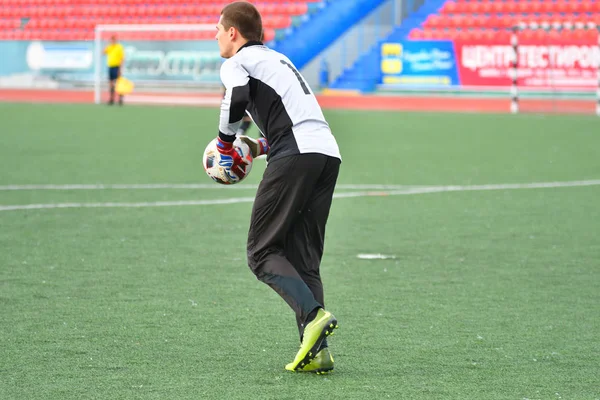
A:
(113, 73)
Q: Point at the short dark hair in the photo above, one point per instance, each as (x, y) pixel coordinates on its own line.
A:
(245, 18)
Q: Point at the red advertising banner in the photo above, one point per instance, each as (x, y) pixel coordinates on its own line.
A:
(541, 64)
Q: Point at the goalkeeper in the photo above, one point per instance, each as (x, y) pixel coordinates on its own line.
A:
(290, 212)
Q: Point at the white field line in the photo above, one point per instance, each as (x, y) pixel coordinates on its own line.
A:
(235, 200)
(213, 186)
(465, 188)
(168, 100)
(130, 205)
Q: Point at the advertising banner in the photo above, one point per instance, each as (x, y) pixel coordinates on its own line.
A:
(424, 63)
(59, 56)
(539, 64)
(191, 61)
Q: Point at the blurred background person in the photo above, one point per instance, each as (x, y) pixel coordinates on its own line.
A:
(115, 56)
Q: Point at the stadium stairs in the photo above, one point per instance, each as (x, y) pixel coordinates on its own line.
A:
(481, 21)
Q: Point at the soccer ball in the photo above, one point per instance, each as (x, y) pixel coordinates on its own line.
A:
(218, 173)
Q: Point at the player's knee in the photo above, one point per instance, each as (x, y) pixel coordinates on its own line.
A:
(257, 259)
(252, 260)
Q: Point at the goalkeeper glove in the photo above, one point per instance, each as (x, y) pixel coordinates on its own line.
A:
(258, 147)
(231, 158)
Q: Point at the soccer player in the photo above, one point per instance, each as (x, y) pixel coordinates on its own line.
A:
(290, 211)
(115, 56)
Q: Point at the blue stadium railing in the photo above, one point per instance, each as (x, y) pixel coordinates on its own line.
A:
(323, 28)
(365, 74)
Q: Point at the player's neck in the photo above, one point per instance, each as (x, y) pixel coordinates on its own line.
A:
(239, 46)
(247, 43)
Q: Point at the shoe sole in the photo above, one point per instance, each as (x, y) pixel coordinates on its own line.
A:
(327, 331)
(324, 371)
(320, 371)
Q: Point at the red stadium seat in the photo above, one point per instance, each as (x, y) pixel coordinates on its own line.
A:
(7, 35)
(298, 9)
(11, 23)
(502, 36)
(470, 21)
(269, 34)
(480, 7)
(577, 6)
(497, 7)
(277, 22)
(429, 34)
(546, 7)
(508, 21)
(561, 6)
(416, 34)
(479, 22)
(433, 21)
(449, 7)
(457, 21)
(13, 12)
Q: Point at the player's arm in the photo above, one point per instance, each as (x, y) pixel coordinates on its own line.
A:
(233, 108)
(236, 98)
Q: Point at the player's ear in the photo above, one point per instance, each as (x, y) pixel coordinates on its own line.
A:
(233, 33)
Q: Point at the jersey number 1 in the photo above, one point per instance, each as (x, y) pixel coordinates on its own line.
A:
(290, 66)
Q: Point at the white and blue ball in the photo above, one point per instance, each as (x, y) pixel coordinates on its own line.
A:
(215, 169)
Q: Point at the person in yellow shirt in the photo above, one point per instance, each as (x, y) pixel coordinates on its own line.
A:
(115, 56)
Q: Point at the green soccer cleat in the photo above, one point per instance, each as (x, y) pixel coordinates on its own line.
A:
(321, 364)
(314, 333)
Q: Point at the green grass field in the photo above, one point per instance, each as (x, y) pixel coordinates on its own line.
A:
(493, 294)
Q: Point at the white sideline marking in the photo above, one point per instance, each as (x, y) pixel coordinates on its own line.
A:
(127, 186)
(192, 101)
(177, 186)
(375, 256)
(130, 205)
(465, 188)
(235, 200)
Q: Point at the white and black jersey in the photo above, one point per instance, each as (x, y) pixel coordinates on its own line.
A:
(278, 99)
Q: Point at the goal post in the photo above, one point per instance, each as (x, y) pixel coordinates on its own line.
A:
(161, 58)
(555, 66)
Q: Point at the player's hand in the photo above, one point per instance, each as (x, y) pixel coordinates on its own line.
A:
(231, 158)
(258, 147)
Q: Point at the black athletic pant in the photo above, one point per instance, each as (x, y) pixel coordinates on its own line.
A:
(287, 228)
(113, 74)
